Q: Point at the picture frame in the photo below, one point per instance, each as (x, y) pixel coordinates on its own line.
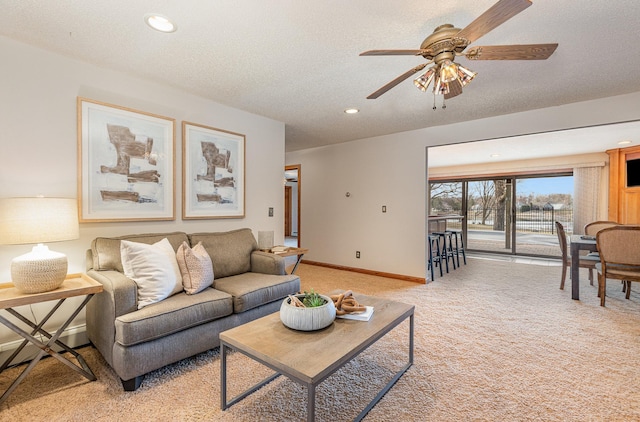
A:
(213, 166)
(126, 164)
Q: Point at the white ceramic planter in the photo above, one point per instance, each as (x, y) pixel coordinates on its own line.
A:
(307, 319)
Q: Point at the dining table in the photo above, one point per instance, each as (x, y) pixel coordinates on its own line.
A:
(579, 243)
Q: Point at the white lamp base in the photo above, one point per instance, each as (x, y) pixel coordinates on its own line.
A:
(40, 270)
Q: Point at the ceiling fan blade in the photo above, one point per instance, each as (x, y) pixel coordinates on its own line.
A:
(392, 53)
(397, 80)
(512, 52)
(455, 89)
(496, 15)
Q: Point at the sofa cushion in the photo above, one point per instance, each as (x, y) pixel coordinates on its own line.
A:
(173, 314)
(230, 251)
(106, 250)
(195, 267)
(154, 268)
(250, 290)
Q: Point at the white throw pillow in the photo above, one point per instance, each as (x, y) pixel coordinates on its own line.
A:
(154, 268)
(195, 267)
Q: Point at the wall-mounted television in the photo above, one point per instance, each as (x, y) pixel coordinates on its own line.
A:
(633, 173)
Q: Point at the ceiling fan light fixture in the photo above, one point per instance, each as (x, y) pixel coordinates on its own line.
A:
(465, 75)
(448, 71)
(440, 87)
(444, 88)
(423, 81)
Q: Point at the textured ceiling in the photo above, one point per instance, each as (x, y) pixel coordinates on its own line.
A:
(296, 61)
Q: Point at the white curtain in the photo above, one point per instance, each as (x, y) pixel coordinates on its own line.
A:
(586, 190)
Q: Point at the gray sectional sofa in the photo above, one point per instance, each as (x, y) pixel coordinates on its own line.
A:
(248, 284)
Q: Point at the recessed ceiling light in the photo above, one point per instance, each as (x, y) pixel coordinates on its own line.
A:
(494, 155)
(351, 110)
(624, 142)
(160, 23)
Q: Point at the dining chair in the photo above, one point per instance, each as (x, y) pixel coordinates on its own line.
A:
(619, 248)
(586, 261)
(591, 229)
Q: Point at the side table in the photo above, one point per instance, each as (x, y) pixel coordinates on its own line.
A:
(291, 252)
(10, 297)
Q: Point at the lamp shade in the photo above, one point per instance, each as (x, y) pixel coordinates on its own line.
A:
(265, 239)
(38, 220)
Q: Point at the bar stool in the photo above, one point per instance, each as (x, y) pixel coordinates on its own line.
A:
(447, 248)
(434, 254)
(459, 246)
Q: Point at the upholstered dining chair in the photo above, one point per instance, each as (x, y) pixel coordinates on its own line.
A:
(591, 229)
(586, 261)
(619, 248)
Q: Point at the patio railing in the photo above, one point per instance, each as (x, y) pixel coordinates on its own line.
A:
(531, 221)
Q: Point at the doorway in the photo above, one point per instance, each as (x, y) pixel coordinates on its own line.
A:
(292, 189)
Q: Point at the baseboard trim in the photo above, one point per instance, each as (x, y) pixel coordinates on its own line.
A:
(420, 280)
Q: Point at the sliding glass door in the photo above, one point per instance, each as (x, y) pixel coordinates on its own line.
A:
(540, 202)
(507, 215)
(489, 218)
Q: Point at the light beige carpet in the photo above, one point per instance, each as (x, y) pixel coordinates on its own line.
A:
(494, 341)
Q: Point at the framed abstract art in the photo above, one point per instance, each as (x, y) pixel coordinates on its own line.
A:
(126, 164)
(213, 166)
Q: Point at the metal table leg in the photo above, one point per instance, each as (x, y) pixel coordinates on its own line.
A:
(45, 348)
(395, 378)
(224, 404)
(297, 262)
(311, 402)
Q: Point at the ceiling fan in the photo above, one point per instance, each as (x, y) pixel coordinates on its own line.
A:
(446, 42)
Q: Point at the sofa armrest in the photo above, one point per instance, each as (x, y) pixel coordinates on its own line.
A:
(119, 297)
(267, 263)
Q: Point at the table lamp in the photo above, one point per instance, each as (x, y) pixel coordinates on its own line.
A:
(38, 220)
(265, 240)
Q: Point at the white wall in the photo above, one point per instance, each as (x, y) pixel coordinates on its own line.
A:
(38, 142)
(391, 170)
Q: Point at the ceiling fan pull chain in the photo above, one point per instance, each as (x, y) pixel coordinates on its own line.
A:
(434, 102)
(443, 104)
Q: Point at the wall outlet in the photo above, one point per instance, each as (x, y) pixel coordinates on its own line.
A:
(270, 211)
(358, 254)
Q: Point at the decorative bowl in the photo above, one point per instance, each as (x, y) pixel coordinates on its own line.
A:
(307, 319)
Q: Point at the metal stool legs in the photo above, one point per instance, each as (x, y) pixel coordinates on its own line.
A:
(434, 254)
(447, 251)
(459, 246)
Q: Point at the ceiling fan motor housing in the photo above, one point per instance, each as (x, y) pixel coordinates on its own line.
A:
(443, 44)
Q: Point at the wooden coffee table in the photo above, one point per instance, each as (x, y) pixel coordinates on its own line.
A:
(308, 358)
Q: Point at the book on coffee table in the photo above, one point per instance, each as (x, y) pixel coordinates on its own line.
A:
(360, 316)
